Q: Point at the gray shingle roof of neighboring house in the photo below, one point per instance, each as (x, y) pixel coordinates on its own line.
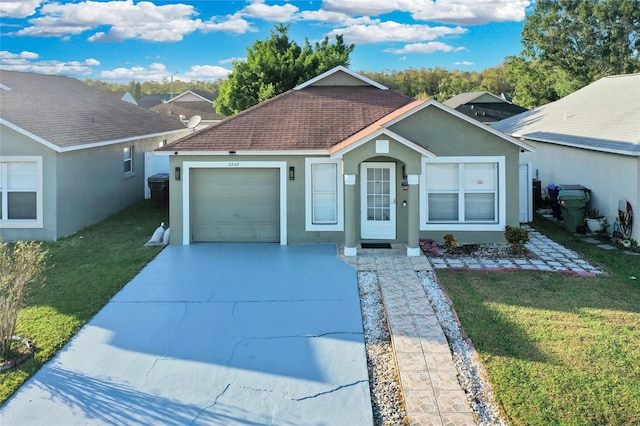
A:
(603, 116)
(306, 118)
(484, 106)
(148, 101)
(68, 114)
(174, 109)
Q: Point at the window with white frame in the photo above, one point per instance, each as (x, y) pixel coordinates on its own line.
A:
(128, 160)
(20, 191)
(323, 195)
(462, 192)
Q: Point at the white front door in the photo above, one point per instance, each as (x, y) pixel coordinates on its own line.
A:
(378, 201)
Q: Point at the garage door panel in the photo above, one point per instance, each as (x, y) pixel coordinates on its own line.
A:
(237, 205)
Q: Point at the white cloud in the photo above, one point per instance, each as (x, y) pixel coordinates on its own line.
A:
(207, 72)
(465, 12)
(18, 8)
(366, 7)
(431, 47)
(468, 12)
(158, 72)
(334, 17)
(27, 62)
(24, 55)
(273, 13)
(232, 60)
(154, 72)
(393, 31)
(230, 24)
(126, 20)
(465, 63)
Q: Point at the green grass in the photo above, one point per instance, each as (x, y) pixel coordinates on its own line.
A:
(84, 271)
(558, 349)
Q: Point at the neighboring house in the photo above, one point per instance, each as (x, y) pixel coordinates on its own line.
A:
(484, 106)
(148, 101)
(342, 159)
(591, 138)
(124, 96)
(189, 104)
(70, 155)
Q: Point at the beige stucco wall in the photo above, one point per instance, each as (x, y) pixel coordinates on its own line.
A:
(14, 144)
(80, 187)
(445, 136)
(610, 177)
(433, 129)
(296, 233)
(92, 184)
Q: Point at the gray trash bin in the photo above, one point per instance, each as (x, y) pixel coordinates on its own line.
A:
(573, 204)
(159, 186)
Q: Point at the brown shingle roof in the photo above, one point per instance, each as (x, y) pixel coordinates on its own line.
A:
(69, 114)
(313, 118)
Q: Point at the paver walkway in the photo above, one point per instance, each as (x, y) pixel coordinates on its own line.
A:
(428, 376)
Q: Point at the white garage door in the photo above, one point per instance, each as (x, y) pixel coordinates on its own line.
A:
(235, 205)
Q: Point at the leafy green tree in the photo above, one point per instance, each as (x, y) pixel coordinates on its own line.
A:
(571, 43)
(276, 65)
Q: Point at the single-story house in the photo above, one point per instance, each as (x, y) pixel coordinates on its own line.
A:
(343, 159)
(484, 106)
(189, 104)
(70, 154)
(591, 138)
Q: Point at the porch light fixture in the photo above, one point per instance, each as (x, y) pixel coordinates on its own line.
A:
(292, 173)
(177, 173)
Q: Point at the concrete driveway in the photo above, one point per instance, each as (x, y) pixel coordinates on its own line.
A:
(214, 334)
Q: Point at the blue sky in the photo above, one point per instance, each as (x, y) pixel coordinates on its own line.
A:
(124, 40)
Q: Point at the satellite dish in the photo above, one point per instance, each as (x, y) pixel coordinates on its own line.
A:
(194, 121)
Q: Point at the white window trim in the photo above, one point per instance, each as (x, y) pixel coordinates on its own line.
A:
(132, 153)
(465, 226)
(308, 195)
(24, 223)
(186, 189)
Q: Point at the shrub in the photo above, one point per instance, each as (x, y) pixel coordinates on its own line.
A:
(21, 264)
(517, 237)
(450, 241)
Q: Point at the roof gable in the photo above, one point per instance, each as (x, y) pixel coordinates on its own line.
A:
(192, 96)
(472, 98)
(382, 126)
(340, 76)
(65, 114)
(602, 116)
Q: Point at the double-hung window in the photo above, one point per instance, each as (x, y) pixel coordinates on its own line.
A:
(323, 195)
(21, 192)
(128, 160)
(466, 192)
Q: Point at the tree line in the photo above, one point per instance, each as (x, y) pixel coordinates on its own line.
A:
(137, 89)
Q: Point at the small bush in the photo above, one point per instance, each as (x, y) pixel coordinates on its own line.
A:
(450, 241)
(517, 237)
(20, 265)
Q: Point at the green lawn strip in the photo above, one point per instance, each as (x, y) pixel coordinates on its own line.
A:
(558, 349)
(84, 272)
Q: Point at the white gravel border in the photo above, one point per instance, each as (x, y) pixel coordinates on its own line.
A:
(384, 381)
(471, 373)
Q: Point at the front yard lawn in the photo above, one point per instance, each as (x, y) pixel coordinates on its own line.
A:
(558, 349)
(84, 271)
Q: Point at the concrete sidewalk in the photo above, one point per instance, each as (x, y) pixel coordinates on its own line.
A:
(215, 334)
